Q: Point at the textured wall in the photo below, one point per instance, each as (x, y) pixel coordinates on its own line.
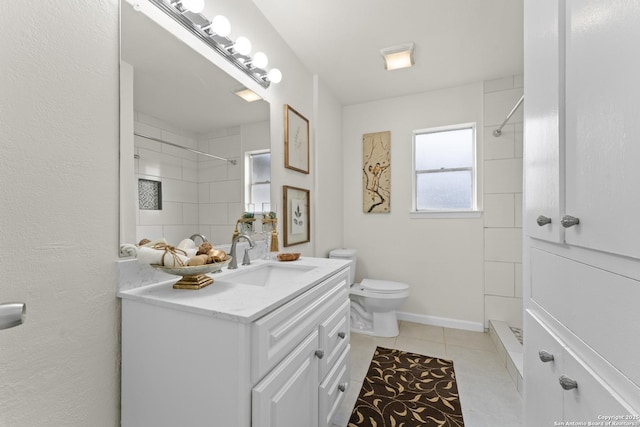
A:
(59, 212)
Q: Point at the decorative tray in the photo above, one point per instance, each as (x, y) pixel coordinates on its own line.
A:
(193, 277)
(288, 256)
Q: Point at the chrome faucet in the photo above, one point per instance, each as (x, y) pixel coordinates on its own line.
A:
(193, 237)
(233, 264)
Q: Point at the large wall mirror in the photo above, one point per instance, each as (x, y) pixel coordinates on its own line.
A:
(172, 95)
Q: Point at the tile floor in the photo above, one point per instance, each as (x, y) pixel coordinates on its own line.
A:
(487, 393)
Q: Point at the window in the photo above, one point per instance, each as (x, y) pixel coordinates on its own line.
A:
(258, 178)
(444, 169)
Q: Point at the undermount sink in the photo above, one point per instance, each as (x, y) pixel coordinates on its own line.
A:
(268, 275)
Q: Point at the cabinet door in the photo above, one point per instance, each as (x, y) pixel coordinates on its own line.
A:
(603, 125)
(544, 118)
(542, 392)
(288, 395)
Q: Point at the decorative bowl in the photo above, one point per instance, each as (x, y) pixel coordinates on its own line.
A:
(193, 277)
(288, 256)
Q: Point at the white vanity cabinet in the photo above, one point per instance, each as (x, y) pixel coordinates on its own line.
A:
(289, 367)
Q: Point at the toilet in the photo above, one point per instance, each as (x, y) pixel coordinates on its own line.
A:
(373, 302)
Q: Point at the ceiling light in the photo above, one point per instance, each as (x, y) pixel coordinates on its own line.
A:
(248, 95)
(274, 75)
(242, 46)
(221, 25)
(396, 57)
(260, 60)
(214, 33)
(193, 6)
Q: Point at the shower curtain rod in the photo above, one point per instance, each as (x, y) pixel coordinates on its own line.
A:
(498, 131)
(233, 162)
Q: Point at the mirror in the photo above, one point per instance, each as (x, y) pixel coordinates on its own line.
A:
(182, 98)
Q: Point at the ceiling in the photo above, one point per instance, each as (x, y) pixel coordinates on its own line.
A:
(457, 42)
(174, 83)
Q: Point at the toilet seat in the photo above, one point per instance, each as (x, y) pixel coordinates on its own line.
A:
(382, 286)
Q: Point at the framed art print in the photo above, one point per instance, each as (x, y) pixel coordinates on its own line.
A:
(296, 140)
(296, 215)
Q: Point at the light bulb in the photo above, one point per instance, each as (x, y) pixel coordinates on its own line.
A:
(274, 75)
(194, 6)
(260, 60)
(221, 25)
(242, 46)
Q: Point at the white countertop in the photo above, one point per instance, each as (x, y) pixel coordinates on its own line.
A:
(235, 301)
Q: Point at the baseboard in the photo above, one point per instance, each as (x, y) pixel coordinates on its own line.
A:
(441, 321)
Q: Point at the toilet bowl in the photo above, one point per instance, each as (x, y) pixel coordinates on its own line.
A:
(373, 302)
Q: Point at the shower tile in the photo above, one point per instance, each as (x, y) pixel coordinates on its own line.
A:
(503, 244)
(498, 84)
(499, 210)
(497, 105)
(518, 276)
(499, 278)
(501, 147)
(503, 176)
(518, 209)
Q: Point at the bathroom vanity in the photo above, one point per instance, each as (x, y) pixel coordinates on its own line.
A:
(264, 345)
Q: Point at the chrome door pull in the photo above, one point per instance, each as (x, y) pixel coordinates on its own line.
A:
(567, 383)
(543, 220)
(545, 356)
(12, 314)
(569, 221)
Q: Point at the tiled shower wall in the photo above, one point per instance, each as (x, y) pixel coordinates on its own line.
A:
(503, 201)
(199, 194)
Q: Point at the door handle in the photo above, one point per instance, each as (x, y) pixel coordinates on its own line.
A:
(12, 314)
(543, 220)
(569, 221)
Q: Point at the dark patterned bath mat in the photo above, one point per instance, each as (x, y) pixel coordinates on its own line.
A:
(407, 390)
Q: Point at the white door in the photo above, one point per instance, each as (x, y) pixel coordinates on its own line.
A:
(603, 125)
(544, 118)
(288, 395)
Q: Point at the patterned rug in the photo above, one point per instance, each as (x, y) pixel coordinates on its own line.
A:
(407, 390)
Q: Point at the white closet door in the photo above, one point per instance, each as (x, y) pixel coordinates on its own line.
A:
(603, 125)
(544, 115)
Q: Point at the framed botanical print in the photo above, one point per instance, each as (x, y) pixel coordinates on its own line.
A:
(296, 140)
(296, 215)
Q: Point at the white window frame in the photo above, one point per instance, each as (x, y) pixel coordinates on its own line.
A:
(248, 176)
(475, 210)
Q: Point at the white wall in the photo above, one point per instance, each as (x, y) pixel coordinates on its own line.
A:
(328, 233)
(59, 215)
(503, 201)
(441, 259)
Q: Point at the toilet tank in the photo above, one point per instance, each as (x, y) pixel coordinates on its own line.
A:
(348, 254)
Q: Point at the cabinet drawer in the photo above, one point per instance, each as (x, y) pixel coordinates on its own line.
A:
(334, 388)
(276, 334)
(592, 399)
(334, 336)
(583, 298)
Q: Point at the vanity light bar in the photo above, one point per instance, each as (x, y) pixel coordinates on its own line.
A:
(199, 25)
